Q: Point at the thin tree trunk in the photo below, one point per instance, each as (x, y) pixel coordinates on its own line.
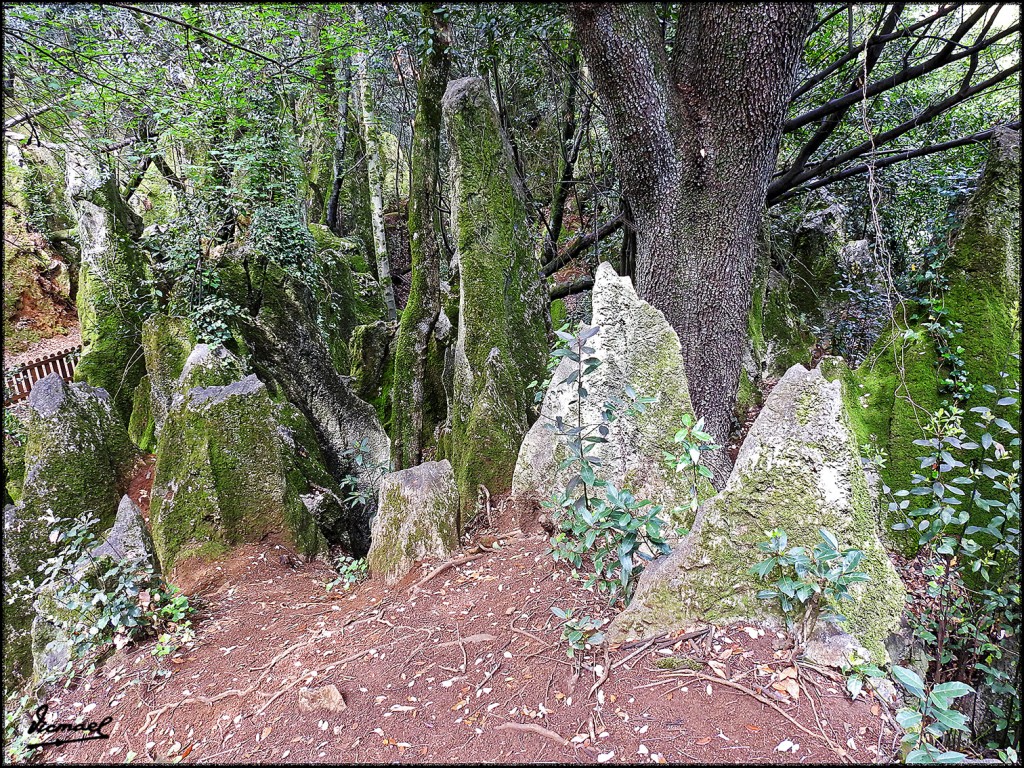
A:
(695, 139)
(413, 417)
(374, 172)
(342, 83)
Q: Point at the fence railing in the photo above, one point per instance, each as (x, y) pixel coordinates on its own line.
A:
(19, 380)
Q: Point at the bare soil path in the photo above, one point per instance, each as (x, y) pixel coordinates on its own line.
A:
(470, 668)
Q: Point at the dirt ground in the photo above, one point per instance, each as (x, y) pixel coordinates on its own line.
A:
(468, 668)
(44, 347)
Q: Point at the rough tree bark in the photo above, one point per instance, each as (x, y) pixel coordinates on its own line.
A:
(368, 121)
(415, 410)
(695, 136)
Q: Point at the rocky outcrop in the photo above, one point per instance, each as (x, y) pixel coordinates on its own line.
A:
(222, 472)
(77, 460)
(798, 470)
(127, 543)
(112, 271)
(167, 342)
(417, 517)
(372, 370)
(283, 333)
(501, 344)
(638, 349)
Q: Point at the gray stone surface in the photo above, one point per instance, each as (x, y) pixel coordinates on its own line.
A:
(799, 470)
(417, 517)
(637, 348)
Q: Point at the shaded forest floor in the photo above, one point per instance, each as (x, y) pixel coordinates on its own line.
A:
(468, 668)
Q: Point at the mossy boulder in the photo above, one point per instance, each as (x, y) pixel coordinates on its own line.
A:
(78, 456)
(14, 462)
(142, 426)
(78, 459)
(799, 470)
(288, 351)
(373, 364)
(111, 286)
(417, 517)
(639, 349)
(166, 342)
(502, 319)
(221, 476)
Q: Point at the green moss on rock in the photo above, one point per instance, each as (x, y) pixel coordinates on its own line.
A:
(799, 470)
(417, 517)
(373, 366)
(141, 426)
(222, 477)
(502, 342)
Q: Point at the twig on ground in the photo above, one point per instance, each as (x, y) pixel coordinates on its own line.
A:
(769, 702)
(443, 567)
(604, 674)
(533, 728)
(306, 678)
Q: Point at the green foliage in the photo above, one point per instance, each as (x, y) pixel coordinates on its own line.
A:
(968, 525)
(929, 718)
(350, 570)
(102, 601)
(806, 581)
(16, 736)
(616, 532)
(694, 443)
(579, 632)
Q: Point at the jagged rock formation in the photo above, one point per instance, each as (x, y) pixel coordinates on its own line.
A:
(224, 472)
(501, 344)
(638, 348)
(77, 460)
(417, 517)
(799, 470)
(112, 273)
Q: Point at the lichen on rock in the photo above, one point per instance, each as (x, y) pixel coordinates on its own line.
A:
(638, 349)
(799, 470)
(417, 517)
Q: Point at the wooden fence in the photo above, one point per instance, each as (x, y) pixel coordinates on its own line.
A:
(19, 380)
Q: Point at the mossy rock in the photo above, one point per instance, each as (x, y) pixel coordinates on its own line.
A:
(288, 352)
(799, 470)
(373, 366)
(417, 518)
(141, 426)
(111, 286)
(221, 477)
(78, 456)
(14, 464)
(502, 318)
(78, 460)
(166, 343)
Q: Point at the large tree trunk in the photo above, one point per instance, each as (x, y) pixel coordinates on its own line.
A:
(417, 407)
(695, 137)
